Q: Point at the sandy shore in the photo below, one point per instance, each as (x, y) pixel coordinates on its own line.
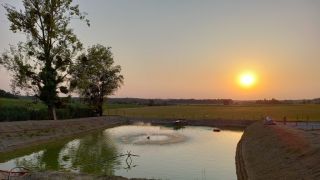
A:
(278, 152)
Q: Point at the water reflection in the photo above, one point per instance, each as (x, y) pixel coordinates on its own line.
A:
(94, 154)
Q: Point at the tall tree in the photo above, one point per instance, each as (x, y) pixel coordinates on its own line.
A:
(41, 63)
(94, 76)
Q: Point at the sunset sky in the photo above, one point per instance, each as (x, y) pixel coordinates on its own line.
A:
(199, 49)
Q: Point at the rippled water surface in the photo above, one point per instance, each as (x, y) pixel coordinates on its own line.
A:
(162, 153)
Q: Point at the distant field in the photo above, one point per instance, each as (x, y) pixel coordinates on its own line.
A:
(120, 106)
(5, 102)
(301, 112)
(240, 112)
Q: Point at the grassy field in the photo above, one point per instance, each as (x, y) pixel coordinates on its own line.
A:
(27, 109)
(301, 112)
(5, 102)
(120, 106)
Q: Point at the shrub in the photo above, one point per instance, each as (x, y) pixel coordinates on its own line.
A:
(22, 113)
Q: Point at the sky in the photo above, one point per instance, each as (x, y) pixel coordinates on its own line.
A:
(198, 49)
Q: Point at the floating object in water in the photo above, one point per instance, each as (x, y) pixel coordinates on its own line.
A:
(216, 130)
(154, 138)
(180, 122)
(269, 121)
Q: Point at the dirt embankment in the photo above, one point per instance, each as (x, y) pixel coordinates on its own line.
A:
(194, 122)
(278, 152)
(74, 176)
(21, 134)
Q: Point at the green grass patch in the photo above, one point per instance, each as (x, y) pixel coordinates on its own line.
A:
(26, 109)
(301, 112)
(6, 102)
(120, 106)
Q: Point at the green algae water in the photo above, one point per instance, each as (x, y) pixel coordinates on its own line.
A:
(155, 152)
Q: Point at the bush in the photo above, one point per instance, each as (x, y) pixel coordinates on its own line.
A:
(5, 94)
(22, 113)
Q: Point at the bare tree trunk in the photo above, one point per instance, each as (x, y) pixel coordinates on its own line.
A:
(100, 110)
(52, 112)
(100, 106)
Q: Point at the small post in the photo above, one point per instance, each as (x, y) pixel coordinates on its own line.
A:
(285, 120)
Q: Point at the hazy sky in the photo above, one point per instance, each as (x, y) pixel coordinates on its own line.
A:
(197, 49)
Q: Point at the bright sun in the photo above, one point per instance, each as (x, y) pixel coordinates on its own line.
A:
(247, 79)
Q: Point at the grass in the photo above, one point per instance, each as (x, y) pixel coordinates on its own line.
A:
(293, 112)
(120, 106)
(300, 112)
(26, 109)
(6, 102)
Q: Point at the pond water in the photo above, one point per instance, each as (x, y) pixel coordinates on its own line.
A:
(162, 153)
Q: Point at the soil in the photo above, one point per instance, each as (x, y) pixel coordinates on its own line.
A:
(278, 152)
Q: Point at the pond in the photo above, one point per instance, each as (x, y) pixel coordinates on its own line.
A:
(155, 152)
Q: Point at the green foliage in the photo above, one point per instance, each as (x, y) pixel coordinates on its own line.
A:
(6, 102)
(107, 106)
(4, 94)
(94, 76)
(21, 110)
(41, 64)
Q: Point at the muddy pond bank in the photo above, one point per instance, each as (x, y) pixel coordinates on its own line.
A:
(223, 123)
(22, 134)
(278, 152)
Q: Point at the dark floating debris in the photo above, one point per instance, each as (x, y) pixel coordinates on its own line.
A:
(216, 130)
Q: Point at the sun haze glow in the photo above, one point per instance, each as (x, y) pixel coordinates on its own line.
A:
(247, 80)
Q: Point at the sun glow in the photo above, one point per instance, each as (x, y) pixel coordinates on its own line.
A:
(247, 80)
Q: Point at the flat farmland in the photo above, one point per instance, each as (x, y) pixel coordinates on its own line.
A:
(293, 112)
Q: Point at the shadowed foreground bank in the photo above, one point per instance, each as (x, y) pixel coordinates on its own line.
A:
(68, 176)
(278, 152)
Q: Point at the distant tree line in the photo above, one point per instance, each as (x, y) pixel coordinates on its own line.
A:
(300, 101)
(268, 101)
(167, 102)
(5, 94)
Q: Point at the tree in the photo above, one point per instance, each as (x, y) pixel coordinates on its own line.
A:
(4, 94)
(94, 76)
(41, 63)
